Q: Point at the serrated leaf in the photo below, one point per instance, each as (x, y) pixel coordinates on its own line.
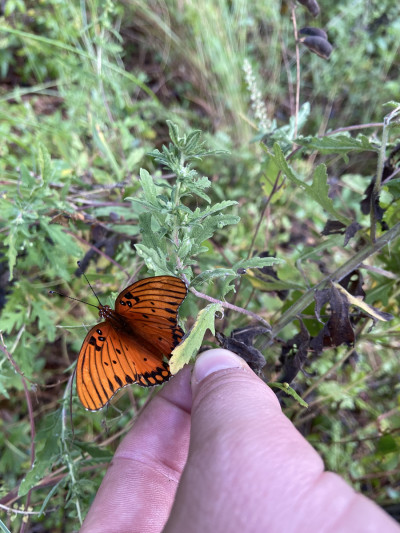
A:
(184, 352)
(319, 189)
(285, 387)
(337, 144)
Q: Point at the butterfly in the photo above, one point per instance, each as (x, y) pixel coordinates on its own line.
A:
(134, 342)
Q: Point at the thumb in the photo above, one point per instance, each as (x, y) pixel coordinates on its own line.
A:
(248, 467)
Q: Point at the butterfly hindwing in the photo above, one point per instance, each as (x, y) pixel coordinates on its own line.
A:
(109, 360)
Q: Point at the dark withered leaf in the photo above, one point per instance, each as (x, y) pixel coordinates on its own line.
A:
(333, 226)
(338, 330)
(351, 230)
(311, 5)
(313, 32)
(318, 45)
(321, 298)
(244, 347)
(353, 283)
(294, 354)
(249, 333)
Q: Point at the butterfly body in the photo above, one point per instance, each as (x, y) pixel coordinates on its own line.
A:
(133, 343)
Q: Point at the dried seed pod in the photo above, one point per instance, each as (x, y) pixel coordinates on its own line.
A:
(313, 32)
(318, 45)
(311, 5)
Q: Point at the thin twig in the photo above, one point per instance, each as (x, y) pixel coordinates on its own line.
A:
(227, 305)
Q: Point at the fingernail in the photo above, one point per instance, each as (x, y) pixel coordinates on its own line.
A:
(214, 360)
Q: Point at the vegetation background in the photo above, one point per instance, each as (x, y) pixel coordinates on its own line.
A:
(86, 89)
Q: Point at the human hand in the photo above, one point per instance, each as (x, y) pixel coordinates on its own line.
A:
(247, 469)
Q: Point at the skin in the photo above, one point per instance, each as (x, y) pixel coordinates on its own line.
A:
(212, 452)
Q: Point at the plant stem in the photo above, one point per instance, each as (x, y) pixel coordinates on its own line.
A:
(350, 265)
(227, 305)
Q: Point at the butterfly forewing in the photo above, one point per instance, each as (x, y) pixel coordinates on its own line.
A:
(130, 346)
(150, 306)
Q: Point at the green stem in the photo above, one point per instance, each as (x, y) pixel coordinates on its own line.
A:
(350, 265)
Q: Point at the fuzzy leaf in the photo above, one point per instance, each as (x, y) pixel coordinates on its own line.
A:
(153, 259)
(210, 225)
(212, 210)
(173, 132)
(208, 275)
(184, 352)
(148, 186)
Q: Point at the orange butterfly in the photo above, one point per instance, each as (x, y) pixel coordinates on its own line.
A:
(131, 344)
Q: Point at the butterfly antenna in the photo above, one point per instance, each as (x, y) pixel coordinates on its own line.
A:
(88, 282)
(70, 298)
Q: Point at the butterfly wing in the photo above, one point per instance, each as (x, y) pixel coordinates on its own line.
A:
(109, 360)
(112, 357)
(150, 307)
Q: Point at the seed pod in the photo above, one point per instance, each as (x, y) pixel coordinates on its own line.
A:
(311, 5)
(313, 32)
(318, 45)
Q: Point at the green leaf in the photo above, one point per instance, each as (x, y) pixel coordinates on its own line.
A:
(148, 186)
(285, 387)
(256, 262)
(11, 250)
(173, 132)
(184, 352)
(49, 439)
(94, 451)
(153, 259)
(337, 144)
(208, 275)
(212, 210)
(44, 163)
(387, 444)
(319, 189)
